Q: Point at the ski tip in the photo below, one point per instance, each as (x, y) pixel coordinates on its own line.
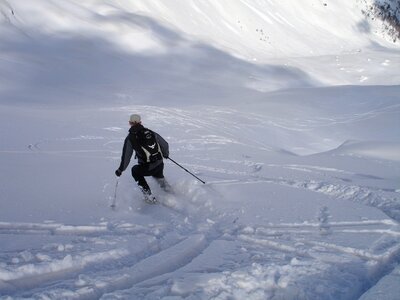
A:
(152, 201)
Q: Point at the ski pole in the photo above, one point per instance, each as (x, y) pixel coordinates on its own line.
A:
(114, 202)
(186, 170)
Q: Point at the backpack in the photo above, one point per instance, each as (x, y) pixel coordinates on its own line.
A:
(148, 143)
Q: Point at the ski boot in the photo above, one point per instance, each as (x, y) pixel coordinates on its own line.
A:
(164, 185)
(148, 197)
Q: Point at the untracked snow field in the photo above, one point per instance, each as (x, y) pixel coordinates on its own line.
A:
(300, 153)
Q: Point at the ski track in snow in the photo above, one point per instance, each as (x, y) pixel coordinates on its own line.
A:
(99, 259)
(300, 241)
(110, 277)
(230, 84)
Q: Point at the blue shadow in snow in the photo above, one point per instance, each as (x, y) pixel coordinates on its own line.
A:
(73, 68)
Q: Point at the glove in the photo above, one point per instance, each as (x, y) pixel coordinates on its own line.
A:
(118, 172)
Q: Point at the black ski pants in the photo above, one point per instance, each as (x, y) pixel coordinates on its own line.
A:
(142, 170)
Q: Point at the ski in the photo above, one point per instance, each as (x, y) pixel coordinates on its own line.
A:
(152, 201)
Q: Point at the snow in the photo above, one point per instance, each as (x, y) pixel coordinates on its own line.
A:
(288, 111)
(386, 288)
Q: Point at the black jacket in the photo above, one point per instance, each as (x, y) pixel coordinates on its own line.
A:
(131, 144)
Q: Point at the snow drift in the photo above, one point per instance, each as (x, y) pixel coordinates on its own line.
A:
(289, 112)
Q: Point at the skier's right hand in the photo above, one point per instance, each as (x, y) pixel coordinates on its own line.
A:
(118, 172)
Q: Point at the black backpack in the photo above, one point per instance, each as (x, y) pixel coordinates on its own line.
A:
(148, 142)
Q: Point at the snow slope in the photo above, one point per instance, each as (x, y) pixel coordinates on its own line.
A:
(290, 113)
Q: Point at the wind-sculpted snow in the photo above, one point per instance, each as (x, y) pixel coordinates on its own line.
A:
(267, 224)
(288, 110)
(71, 53)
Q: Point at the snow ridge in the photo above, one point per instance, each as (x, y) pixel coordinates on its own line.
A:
(288, 111)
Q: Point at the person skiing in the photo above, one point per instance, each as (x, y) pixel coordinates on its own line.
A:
(150, 149)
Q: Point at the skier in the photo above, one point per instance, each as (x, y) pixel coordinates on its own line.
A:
(150, 149)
